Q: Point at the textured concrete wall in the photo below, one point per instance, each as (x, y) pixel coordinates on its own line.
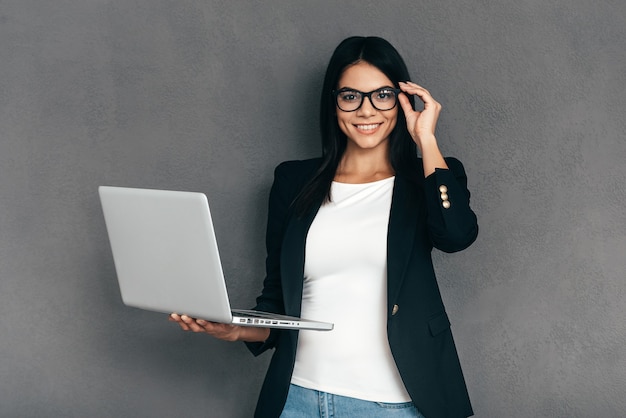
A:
(210, 96)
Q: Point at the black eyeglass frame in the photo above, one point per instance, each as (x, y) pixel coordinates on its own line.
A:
(336, 94)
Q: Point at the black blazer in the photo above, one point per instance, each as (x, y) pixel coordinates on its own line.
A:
(425, 213)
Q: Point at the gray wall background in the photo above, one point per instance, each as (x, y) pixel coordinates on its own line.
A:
(211, 95)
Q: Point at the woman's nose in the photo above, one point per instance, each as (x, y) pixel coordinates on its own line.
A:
(367, 108)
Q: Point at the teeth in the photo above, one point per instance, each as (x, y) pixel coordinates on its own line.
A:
(368, 127)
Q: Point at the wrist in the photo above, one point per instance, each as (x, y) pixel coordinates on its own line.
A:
(425, 140)
(253, 334)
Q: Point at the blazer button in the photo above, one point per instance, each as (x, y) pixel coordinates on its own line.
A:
(443, 189)
(394, 310)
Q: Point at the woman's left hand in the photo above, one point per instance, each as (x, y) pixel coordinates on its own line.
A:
(421, 125)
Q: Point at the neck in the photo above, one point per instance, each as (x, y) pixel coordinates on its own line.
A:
(364, 166)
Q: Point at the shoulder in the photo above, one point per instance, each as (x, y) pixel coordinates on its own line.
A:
(298, 166)
(290, 177)
(297, 170)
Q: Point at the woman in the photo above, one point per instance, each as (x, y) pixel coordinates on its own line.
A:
(349, 241)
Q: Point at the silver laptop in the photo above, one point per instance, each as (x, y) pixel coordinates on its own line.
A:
(167, 260)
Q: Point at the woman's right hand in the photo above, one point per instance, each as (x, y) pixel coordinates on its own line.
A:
(226, 332)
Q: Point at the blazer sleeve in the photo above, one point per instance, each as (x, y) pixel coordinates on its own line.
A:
(452, 224)
(282, 194)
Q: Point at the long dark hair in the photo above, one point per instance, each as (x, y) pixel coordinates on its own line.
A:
(403, 151)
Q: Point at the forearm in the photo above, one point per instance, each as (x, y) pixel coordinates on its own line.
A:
(452, 226)
(253, 334)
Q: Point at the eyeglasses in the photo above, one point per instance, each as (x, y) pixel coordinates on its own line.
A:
(349, 100)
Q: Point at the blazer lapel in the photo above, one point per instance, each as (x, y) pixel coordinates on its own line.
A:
(400, 234)
(292, 261)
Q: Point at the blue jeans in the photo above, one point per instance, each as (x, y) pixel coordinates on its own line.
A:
(309, 403)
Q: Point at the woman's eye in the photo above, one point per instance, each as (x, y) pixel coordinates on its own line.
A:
(348, 96)
(384, 94)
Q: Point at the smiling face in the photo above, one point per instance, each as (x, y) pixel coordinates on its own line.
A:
(366, 128)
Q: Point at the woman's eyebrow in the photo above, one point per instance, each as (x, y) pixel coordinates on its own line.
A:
(377, 88)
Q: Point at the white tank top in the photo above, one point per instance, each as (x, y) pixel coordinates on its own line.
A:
(345, 282)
